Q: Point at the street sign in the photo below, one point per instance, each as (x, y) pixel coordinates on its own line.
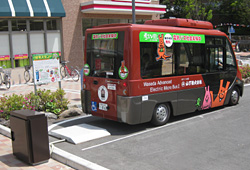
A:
(231, 30)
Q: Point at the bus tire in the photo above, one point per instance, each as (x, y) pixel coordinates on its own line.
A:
(161, 114)
(235, 96)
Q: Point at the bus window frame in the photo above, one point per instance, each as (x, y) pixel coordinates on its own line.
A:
(223, 46)
(176, 55)
(116, 58)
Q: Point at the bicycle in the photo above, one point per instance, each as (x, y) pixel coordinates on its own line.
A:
(5, 76)
(65, 71)
(27, 73)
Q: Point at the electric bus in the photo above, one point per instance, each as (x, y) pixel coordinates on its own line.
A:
(137, 73)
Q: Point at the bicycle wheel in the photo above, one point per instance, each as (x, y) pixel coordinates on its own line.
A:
(26, 76)
(7, 83)
(1, 79)
(75, 75)
(63, 71)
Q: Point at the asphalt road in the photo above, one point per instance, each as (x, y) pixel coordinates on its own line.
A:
(215, 139)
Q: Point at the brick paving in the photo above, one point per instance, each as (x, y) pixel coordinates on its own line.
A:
(9, 161)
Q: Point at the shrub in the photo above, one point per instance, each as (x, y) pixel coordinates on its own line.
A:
(44, 101)
(245, 71)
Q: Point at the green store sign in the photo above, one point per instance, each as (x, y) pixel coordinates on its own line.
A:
(45, 56)
(176, 37)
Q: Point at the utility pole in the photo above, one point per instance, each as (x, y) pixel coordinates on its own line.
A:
(133, 12)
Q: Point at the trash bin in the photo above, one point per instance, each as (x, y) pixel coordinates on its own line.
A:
(29, 134)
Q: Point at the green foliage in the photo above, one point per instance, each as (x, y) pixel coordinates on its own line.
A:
(245, 71)
(234, 11)
(216, 11)
(191, 9)
(44, 101)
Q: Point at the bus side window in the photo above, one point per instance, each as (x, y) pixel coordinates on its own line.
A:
(145, 62)
(215, 55)
(150, 66)
(183, 61)
(230, 60)
(196, 58)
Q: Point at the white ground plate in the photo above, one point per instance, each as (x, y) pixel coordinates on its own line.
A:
(80, 133)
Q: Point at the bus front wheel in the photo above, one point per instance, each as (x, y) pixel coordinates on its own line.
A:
(161, 114)
(235, 96)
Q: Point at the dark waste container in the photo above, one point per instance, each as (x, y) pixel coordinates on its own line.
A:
(29, 134)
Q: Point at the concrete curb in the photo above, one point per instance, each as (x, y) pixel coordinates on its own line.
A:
(74, 161)
(62, 156)
(5, 131)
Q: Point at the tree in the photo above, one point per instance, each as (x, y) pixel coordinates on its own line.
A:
(234, 11)
(192, 9)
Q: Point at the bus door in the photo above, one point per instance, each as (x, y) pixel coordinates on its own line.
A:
(104, 60)
(221, 69)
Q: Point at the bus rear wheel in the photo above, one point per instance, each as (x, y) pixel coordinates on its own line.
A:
(161, 114)
(235, 96)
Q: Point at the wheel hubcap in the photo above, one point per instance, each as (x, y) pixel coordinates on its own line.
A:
(161, 113)
(234, 96)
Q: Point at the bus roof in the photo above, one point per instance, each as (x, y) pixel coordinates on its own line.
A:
(155, 28)
(178, 25)
(181, 22)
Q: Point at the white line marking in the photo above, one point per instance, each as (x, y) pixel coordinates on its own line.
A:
(153, 129)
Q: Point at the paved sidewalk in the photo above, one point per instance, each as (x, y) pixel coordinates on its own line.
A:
(9, 161)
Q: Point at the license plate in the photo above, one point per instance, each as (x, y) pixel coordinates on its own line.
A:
(103, 106)
(112, 86)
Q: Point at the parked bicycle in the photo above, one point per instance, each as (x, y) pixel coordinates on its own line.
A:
(27, 73)
(5, 76)
(66, 72)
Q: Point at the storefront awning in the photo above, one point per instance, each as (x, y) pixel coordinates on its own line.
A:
(32, 8)
(112, 7)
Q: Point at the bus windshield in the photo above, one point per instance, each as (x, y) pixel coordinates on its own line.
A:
(105, 54)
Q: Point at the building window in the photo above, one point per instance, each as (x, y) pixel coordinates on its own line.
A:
(36, 25)
(53, 25)
(37, 43)
(19, 25)
(54, 41)
(3, 25)
(86, 23)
